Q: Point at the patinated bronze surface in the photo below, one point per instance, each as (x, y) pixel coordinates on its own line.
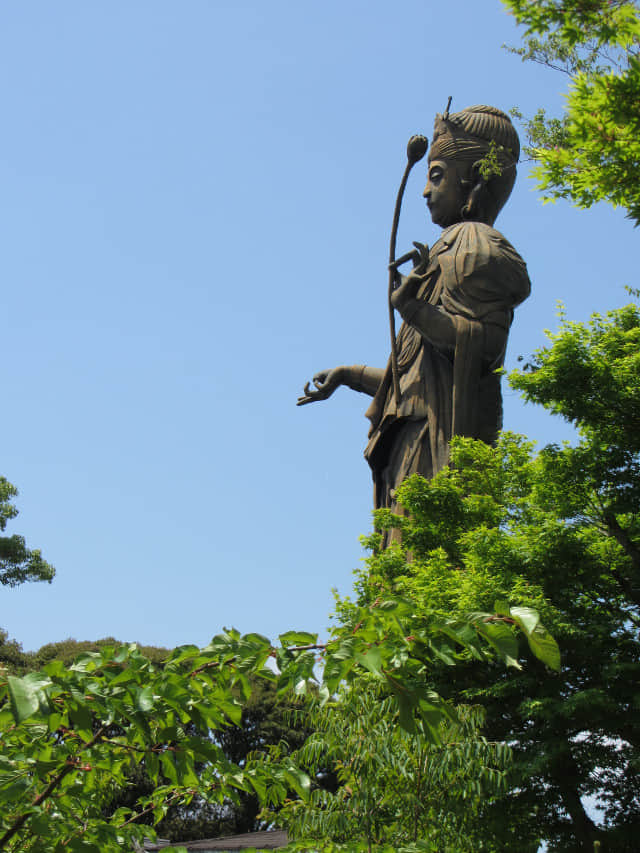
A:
(457, 306)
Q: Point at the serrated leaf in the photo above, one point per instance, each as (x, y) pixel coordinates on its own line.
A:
(84, 661)
(344, 651)
(27, 695)
(371, 660)
(257, 783)
(169, 768)
(545, 647)
(298, 638)
(503, 640)
(299, 781)
(335, 670)
(231, 709)
(431, 719)
(144, 699)
(526, 617)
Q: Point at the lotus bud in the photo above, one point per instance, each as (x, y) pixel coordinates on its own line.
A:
(417, 148)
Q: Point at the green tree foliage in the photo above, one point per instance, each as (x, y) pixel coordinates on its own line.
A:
(16, 661)
(18, 563)
(70, 735)
(267, 721)
(592, 152)
(394, 788)
(591, 376)
(503, 529)
(13, 659)
(68, 650)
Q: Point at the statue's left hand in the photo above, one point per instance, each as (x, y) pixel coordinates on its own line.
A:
(326, 382)
(409, 285)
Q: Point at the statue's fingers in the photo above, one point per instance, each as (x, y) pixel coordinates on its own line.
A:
(422, 253)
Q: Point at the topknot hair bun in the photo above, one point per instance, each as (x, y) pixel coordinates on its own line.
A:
(488, 123)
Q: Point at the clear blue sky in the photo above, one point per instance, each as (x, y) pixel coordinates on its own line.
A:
(196, 203)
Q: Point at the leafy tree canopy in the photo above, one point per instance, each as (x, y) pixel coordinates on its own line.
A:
(393, 789)
(557, 530)
(592, 152)
(267, 720)
(72, 734)
(18, 564)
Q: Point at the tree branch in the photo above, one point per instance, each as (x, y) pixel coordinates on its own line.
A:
(44, 795)
(622, 538)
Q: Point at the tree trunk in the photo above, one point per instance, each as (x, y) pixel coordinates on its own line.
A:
(585, 830)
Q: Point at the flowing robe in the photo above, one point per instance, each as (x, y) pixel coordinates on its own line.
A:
(477, 278)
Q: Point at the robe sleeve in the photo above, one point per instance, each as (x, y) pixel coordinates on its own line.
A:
(483, 279)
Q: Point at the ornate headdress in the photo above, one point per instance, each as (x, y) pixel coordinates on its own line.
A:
(469, 136)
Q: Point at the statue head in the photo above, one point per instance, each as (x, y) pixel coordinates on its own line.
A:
(472, 165)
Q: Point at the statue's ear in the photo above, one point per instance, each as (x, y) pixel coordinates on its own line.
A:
(473, 208)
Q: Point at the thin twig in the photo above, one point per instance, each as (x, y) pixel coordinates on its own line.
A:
(150, 808)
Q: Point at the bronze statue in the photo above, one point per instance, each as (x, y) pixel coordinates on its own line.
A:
(457, 306)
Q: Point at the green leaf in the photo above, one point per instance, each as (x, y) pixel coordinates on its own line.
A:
(257, 640)
(168, 767)
(503, 640)
(187, 775)
(82, 719)
(232, 710)
(526, 617)
(256, 782)
(298, 638)
(545, 647)
(324, 694)
(371, 660)
(299, 781)
(335, 670)
(144, 699)
(27, 695)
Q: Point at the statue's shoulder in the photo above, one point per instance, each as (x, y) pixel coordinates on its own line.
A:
(477, 237)
(478, 251)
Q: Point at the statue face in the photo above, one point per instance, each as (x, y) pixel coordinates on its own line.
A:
(444, 193)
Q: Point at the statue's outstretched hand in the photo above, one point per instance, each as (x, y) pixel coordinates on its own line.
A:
(326, 383)
(408, 286)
